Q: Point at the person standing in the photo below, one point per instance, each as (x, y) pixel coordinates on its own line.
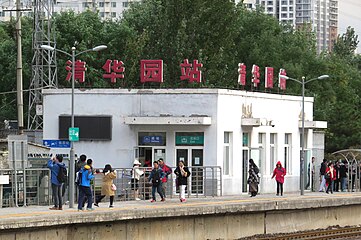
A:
(182, 173)
(279, 172)
(80, 163)
(84, 186)
(343, 175)
(336, 184)
(310, 174)
(330, 176)
(166, 170)
(107, 185)
(136, 174)
(322, 175)
(155, 176)
(253, 179)
(55, 164)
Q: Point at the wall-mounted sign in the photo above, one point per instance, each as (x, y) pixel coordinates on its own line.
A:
(56, 143)
(152, 139)
(189, 140)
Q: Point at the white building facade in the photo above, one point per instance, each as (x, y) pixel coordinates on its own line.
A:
(204, 127)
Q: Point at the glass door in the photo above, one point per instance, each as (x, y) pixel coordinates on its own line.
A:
(197, 171)
(245, 158)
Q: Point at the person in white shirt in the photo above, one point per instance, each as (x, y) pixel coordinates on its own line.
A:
(136, 174)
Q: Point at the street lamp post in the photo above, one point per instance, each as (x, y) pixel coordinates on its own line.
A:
(72, 153)
(303, 83)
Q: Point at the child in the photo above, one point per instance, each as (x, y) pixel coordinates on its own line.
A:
(280, 173)
(155, 176)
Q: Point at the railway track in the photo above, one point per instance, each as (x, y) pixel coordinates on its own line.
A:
(339, 233)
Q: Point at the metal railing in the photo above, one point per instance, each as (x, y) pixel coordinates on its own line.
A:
(36, 189)
(204, 181)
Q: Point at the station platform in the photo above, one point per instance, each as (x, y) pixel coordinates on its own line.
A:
(227, 217)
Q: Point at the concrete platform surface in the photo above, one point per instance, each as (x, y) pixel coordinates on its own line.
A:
(40, 216)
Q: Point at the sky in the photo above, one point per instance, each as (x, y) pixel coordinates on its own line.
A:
(349, 15)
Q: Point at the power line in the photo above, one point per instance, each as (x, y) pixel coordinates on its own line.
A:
(26, 90)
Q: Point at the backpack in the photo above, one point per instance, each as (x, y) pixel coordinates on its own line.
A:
(62, 174)
(156, 178)
(78, 177)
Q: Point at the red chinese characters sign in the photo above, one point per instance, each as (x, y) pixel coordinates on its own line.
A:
(151, 71)
(114, 69)
(191, 72)
(79, 70)
(269, 77)
(242, 74)
(255, 75)
(281, 80)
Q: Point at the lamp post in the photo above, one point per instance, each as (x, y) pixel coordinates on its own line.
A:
(72, 154)
(303, 83)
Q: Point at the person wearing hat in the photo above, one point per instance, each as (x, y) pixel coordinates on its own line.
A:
(136, 174)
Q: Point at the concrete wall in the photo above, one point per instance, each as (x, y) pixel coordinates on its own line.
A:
(224, 225)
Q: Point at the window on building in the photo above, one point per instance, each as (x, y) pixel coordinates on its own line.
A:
(270, 3)
(290, 9)
(262, 146)
(287, 152)
(269, 9)
(284, 15)
(101, 14)
(284, 2)
(273, 151)
(114, 4)
(101, 4)
(125, 4)
(114, 14)
(291, 15)
(85, 4)
(2, 14)
(284, 9)
(227, 155)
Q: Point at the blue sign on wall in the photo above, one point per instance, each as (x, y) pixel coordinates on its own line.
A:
(152, 139)
(56, 143)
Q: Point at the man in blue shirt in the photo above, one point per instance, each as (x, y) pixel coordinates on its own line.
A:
(54, 164)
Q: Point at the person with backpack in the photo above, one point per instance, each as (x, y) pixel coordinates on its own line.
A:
(86, 175)
(253, 178)
(58, 177)
(182, 173)
(155, 177)
(108, 188)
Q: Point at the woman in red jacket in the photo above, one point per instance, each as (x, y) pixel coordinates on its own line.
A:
(330, 176)
(280, 173)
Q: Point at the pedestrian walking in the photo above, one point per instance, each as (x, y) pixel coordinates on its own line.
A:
(136, 174)
(55, 164)
(166, 170)
(155, 177)
(182, 173)
(322, 176)
(253, 179)
(108, 187)
(279, 172)
(330, 176)
(85, 175)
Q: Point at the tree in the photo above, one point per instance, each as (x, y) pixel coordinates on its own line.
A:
(346, 44)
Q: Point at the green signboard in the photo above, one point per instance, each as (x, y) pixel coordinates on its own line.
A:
(73, 134)
(189, 140)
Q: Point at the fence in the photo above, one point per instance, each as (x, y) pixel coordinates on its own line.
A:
(204, 181)
(351, 160)
(26, 187)
(36, 189)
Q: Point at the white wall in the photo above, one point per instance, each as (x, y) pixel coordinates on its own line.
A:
(223, 106)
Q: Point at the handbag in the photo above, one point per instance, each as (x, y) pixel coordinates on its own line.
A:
(113, 187)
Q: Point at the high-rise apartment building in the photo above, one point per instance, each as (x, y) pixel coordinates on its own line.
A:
(107, 8)
(317, 15)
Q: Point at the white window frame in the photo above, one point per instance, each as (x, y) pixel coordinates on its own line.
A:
(288, 153)
(227, 153)
(273, 151)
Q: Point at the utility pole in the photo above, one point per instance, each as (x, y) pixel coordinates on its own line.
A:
(19, 68)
